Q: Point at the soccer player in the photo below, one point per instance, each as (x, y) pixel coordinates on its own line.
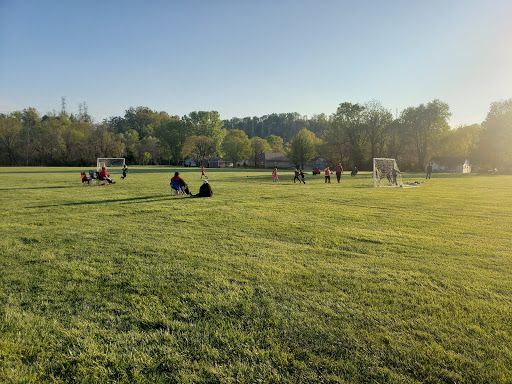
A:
(339, 171)
(125, 169)
(274, 175)
(327, 175)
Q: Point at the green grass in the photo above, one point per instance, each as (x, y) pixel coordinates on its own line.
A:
(263, 282)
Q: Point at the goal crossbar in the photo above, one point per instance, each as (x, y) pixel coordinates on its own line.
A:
(117, 162)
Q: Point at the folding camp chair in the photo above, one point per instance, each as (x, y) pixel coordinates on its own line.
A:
(85, 179)
(176, 188)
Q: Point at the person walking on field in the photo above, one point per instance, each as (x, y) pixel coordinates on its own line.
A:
(125, 169)
(274, 175)
(296, 175)
(339, 171)
(203, 173)
(429, 170)
(327, 175)
(394, 173)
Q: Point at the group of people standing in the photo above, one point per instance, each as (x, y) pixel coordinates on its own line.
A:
(300, 176)
(338, 170)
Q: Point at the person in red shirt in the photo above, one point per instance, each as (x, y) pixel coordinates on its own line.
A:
(179, 180)
(105, 176)
(327, 175)
(274, 175)
(339, 171)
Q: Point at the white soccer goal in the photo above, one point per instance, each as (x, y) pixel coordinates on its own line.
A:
(113, 164)
(386, 173)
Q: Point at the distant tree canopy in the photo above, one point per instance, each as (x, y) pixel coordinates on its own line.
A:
(495, 145)
(198, 148)
(236, 146)
(353, 135)
(302, 148)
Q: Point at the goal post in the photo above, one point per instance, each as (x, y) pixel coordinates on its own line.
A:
(386, 173)
(115, 163)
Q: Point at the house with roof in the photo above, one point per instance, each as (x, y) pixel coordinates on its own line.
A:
(450, 164)
(217, 162)
(273, 160)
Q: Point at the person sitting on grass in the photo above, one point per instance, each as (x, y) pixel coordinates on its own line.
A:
(205, 190)
(177, 179)
(105, 176)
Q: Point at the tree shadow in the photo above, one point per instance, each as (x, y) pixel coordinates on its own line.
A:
(95, 202)
(30, 188)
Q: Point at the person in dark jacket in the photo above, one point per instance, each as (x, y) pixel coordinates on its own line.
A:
(205, 190)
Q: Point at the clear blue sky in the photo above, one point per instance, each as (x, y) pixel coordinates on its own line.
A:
(251, 58)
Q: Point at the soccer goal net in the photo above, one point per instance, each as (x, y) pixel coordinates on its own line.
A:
(113, 164)
(386, 173)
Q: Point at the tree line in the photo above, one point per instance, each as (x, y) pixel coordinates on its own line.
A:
(352, 135)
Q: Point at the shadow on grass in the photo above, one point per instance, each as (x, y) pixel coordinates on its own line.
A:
(29, 188)
(127, 200)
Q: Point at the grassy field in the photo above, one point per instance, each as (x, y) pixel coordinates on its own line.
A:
(262, 283)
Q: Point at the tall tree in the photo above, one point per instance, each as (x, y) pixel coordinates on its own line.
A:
(344, 139)
(375, 120)
(75, 136)
(236, 146)
(206, 123)
(495, 148)
(302, 148)
(30, 119)
(151, 145)
(275, 142)
(48, 143)
(173, 135)
(131, 143)
(425, 124)
(461, 141)
(105, 143)
(258, 147)
(143, 120)
(10, 139)
(198, 148)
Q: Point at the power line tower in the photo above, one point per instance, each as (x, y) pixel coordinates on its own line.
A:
(63, 105)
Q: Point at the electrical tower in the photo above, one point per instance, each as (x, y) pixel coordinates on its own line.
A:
(63, 105)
